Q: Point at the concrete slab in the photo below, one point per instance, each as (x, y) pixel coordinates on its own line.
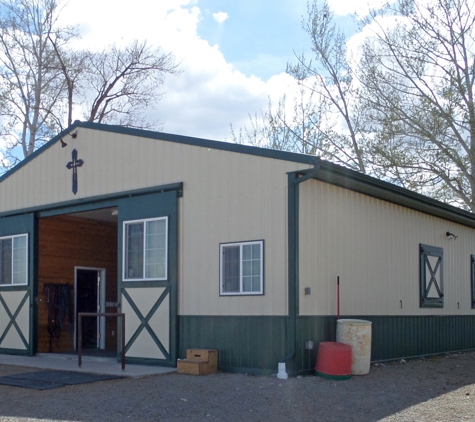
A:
(90, 364)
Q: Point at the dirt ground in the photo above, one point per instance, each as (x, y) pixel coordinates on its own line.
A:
(436, 389)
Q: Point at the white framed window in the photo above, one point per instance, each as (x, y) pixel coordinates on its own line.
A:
(14, 260)
(146, 249)
(242, 268)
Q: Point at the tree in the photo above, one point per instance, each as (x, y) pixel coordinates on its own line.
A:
(335, 83)
(406, 97)
(326, 119)
(122, 84)
(31, 85)
(298, 129)
(43, 82)
(72, 65)
(418, 95)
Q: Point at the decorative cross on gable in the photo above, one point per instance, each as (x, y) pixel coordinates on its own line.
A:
(74, 164)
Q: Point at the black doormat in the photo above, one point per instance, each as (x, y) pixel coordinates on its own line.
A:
(45, 380)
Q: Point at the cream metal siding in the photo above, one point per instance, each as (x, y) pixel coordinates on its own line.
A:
(227, 197)
(231, 198)
(373, 246)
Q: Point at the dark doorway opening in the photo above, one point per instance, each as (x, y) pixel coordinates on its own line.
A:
(85, 240)
(87, 300)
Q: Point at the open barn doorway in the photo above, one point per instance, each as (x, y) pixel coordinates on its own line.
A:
(77, 272)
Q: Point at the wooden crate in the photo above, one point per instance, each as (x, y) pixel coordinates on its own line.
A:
(198, 362)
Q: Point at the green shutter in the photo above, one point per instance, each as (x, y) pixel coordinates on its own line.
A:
(431, 277)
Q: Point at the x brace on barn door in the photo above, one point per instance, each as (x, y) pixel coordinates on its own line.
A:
(433, 276)
(144, 321)
(13, 318)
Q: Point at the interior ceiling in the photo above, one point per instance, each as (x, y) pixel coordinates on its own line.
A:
(103, 214)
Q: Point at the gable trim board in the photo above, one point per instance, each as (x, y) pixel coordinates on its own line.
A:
(287, 203)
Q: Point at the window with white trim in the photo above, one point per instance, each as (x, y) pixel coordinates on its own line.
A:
(146, 249)
(242, 268)
(14, 260)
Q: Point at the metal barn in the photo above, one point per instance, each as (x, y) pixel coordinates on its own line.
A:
(206, 244)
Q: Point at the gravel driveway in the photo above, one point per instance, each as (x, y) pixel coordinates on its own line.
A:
(436, 389)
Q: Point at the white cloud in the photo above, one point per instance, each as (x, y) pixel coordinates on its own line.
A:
(220, 17)
(114, 21)
(210, 94)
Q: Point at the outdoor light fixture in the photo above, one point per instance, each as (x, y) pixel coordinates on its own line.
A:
(73, 135)
(451, 236)
(115, 212)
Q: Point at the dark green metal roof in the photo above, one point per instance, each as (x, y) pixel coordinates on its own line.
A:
(328, 172)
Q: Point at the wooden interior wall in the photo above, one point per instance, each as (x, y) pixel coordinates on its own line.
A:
(66, 242)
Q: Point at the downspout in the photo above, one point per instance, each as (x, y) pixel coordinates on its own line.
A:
(293, 180)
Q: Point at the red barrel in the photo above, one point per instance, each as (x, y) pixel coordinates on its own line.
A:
(333, 361)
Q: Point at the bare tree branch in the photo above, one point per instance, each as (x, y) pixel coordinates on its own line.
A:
(124, 83)
(418, 79)
(43, 82)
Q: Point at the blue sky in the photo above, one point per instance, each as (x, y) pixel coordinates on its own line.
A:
(232, 54)
(259, 37)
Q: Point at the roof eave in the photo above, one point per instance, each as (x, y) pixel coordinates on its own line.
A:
(358, 182)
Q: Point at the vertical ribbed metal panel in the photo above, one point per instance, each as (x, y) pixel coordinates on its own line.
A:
(228, 197)
(373, 246)
(315, 329)
(245, 344)
(255, 344)
(412, 336)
